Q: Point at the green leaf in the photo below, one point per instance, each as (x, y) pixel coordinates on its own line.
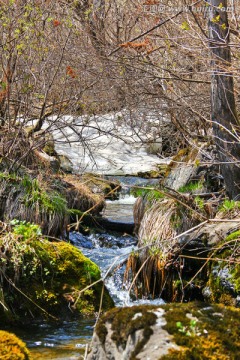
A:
(3, 85)
(179, 324)
(185, 26)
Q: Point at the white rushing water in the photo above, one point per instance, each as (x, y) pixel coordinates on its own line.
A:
(108, 144)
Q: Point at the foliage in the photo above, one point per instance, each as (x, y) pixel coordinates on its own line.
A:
(190, 330)
(199, 202)
(25, 229)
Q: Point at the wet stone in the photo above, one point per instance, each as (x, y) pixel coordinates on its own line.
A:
(78, 239)
(109, 241)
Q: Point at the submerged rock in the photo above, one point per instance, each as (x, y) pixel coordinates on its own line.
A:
(78, 239)
(173, 331)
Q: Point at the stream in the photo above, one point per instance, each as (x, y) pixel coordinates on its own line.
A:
(68, 340)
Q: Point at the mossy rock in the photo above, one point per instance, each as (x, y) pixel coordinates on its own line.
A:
(223, 284)
(172, 331)
(44, 279)
(100, 185)
(203, 332)
(12, 348)
(182, 168)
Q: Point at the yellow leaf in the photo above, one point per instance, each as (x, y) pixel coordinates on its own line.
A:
(185, 26)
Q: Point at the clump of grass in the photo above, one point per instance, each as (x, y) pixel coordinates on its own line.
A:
(199, 202)
(35, 196)
(156, 226)
(149, 194)
(191, 187)
(229, 205)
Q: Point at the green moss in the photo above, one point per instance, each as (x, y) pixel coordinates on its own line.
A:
(151, 174)
(109, 188)
(12, 348)
(216, 335)
(219, 293)
(49, 146)
(201, 331)
(125, 323)
(225, 286)
(233, 236)
(51, 275)
(235, 277)
(183, 155)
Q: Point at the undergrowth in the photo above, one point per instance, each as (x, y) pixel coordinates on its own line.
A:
(191, 187)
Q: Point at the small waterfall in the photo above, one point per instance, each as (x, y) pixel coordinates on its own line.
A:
(111, 250)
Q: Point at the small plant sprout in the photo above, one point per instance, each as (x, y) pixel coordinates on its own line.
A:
(189, 330)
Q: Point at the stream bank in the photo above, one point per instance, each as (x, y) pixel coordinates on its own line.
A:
(184, 200)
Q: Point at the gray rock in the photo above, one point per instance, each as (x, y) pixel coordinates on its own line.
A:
(142, 332)
(65, 164)
(159, 343)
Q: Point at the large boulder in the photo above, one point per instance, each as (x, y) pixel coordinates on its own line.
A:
(44, 279)
(173, 331)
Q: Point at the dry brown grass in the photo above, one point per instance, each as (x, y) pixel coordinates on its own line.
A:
(80, 196)
(157, 226)
(155, 268)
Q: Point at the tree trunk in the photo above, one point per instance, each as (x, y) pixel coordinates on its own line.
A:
(92, 15)
(224, 115)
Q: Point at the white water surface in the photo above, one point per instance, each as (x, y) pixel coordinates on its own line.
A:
(109, 144)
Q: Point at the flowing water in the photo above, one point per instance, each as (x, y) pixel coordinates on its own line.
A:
(68, 340)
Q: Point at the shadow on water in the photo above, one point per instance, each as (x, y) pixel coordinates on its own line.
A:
(57, 341)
